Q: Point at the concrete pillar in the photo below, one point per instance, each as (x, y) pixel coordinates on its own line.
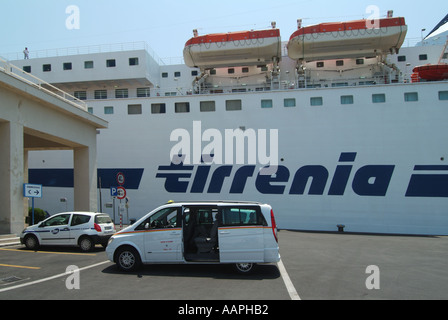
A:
(11, 174)
(85, 179)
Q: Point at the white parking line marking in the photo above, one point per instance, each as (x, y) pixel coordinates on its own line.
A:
(288, 283)
(50, 278)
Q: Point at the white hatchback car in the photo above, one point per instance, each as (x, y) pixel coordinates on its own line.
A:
(239, 233)
(83, 229)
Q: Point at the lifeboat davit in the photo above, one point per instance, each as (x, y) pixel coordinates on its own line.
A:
(243, 48)
(430, 72)
(352, 39)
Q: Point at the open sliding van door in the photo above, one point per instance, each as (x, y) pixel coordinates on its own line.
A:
(200, 233)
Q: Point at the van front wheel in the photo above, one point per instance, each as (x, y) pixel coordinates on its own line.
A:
(244, 268)
(127, 259)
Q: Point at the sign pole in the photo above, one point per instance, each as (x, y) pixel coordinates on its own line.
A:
(32, 191)
(121, 217)
(32, 210)
(113, 205)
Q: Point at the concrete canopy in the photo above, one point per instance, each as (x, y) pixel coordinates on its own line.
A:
(34, 118)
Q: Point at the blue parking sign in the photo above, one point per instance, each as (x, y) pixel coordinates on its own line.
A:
(113, 191)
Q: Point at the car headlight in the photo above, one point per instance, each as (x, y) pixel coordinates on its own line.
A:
(110, 240)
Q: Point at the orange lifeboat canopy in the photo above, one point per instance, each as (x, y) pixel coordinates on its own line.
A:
(432, 72)
(352, 39)
(243, 48)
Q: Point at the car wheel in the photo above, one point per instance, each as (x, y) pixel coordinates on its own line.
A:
(244, 268)
(31, 242)
(86, 244)
(127, 259)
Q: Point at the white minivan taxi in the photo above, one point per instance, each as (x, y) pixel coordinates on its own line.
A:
(238, 233)
(83, 229)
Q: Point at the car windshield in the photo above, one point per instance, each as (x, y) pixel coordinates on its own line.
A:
(103, 218)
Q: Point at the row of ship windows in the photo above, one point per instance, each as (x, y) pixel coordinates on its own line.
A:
(234, 105)
(110, 63)
(119, 93)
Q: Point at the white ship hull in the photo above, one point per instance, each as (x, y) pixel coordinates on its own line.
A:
(372, 162)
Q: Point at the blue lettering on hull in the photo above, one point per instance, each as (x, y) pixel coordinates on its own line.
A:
(370, 180)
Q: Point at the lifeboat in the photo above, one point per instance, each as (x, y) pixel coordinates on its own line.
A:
(430, 72)
(243, 48)
(352, 39)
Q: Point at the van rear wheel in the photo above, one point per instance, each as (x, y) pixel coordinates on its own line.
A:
(244, 268)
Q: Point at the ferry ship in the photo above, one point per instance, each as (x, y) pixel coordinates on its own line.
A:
(330, 127)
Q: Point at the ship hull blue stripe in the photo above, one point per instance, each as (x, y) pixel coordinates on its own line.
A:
(63, 178)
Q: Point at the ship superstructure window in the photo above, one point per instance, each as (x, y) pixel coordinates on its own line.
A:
(121, 93)
(164, 74)
(67, 66)
(316, 101)
(266, 103)
(339, 63)
(233, 105)
(346, 99)
(320, 64)
(27, 69)
(423, 57)
(143, 92)
(443, 95)
(111, 63)
(207, 106)
(81, 95)
(359, 61)
(378, 98)
(245, 70)
(194, 73)
(46, 68)
(410, 96)
(88, 64)
(291, 102)
(100, 94)
(177, 74)
(401, 58)
(108, 110)
(231, 70)
(158, 108)
(182, 107)
(134, 109)
(133, 61)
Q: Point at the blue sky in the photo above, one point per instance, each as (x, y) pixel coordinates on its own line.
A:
(167, 25)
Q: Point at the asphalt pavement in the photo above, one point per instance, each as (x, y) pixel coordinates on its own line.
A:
(314, 266)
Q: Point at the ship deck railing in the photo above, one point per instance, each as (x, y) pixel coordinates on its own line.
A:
(40, 84)
(91, 49)
(263, 87)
